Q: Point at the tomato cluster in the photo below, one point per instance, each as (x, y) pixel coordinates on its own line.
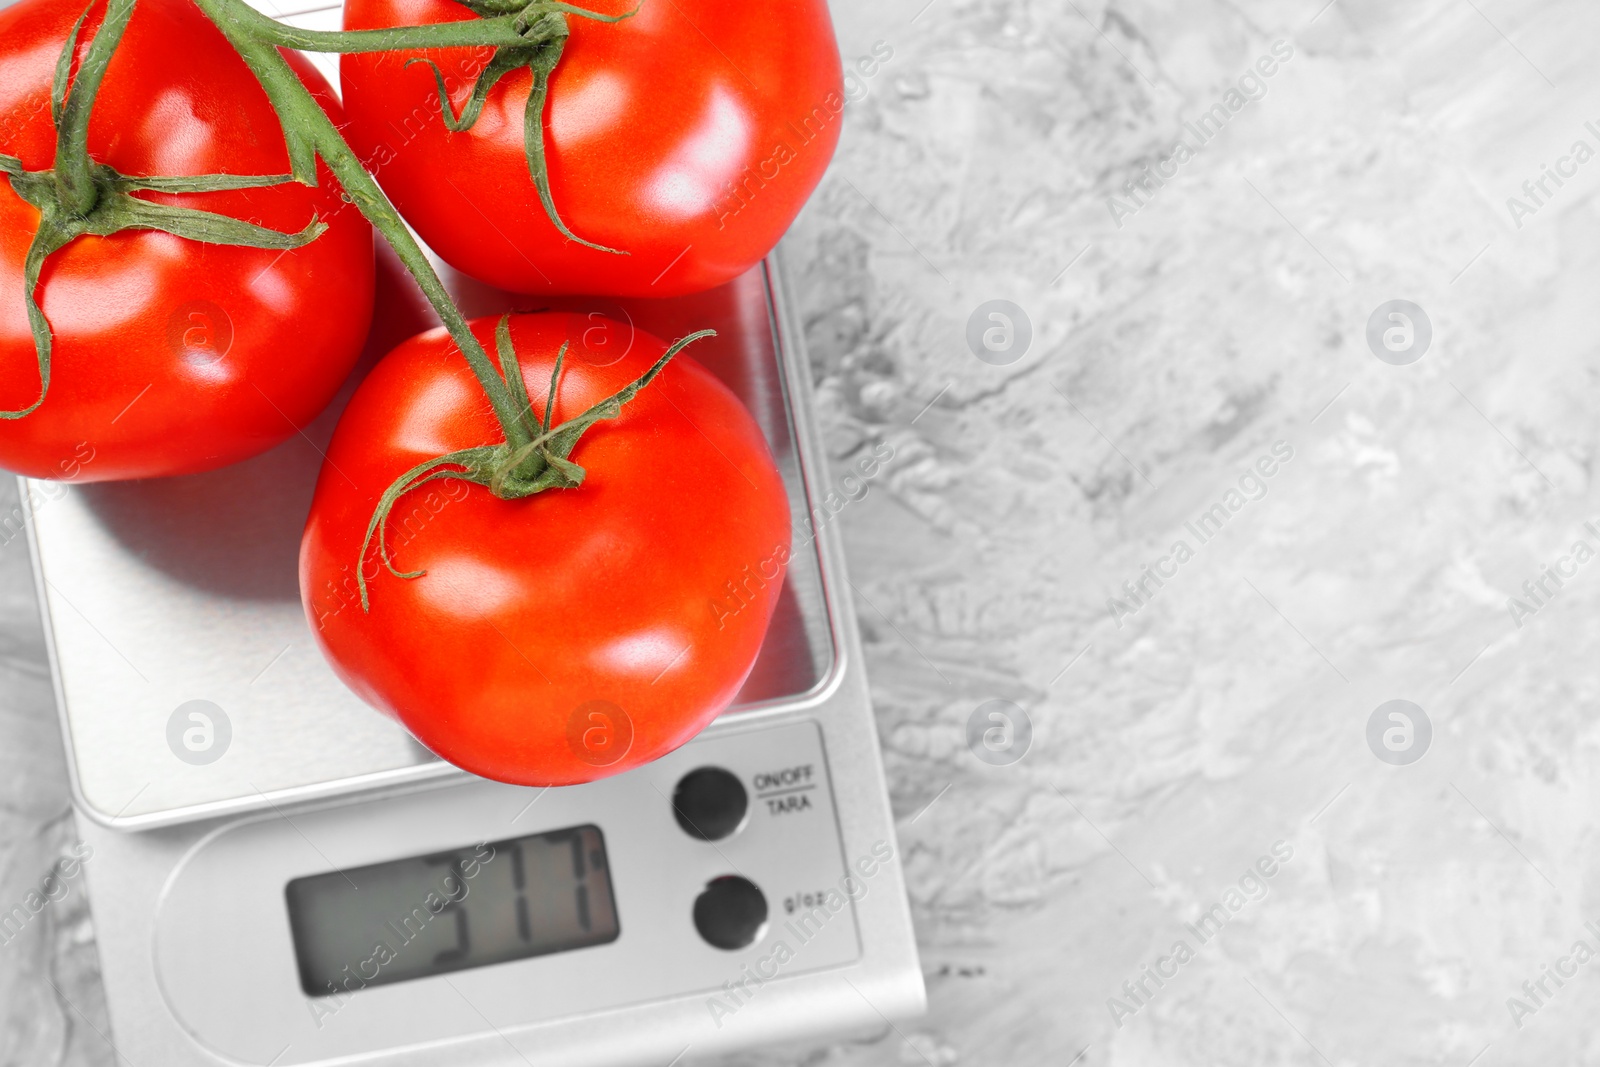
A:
(506, 546)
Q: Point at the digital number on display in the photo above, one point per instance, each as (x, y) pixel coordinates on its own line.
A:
(450, 911)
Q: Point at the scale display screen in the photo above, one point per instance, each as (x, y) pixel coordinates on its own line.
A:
(450, 911)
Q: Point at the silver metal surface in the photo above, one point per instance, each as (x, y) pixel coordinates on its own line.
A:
(158, 593)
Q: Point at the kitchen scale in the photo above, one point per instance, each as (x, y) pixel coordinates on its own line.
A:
(281, 875)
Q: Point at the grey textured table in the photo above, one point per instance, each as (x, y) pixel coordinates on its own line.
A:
(1186, 724)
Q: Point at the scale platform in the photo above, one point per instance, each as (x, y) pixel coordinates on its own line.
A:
(281, 875)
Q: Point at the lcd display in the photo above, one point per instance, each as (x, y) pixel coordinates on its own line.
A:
(450, 911)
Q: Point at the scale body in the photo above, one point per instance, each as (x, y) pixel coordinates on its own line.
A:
(162, 594)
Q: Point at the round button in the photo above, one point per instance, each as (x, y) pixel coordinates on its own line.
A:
(731, 912)
(710, 803)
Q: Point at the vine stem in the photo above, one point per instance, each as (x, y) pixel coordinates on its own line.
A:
(240, 21)
(309, 133)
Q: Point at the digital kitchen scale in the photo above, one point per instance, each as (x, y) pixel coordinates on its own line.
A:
(281, 875)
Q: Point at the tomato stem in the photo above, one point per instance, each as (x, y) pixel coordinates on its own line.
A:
(310, 134)
(505, 30)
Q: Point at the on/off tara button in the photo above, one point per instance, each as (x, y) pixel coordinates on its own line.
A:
(710, 803)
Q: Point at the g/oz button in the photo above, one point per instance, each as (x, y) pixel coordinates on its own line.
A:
(731, 912)
(710, 803)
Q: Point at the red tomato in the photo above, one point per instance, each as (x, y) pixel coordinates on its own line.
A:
(572, 634)
(171, 356)
(688, 136)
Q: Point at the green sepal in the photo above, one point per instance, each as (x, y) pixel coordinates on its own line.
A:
(555, 382)
(503, 62)
(58, 84)
(545, 61)
(542, 463)
(543, 26)
(206, 227)
(510, 474)
(585, 13)
(511, 371)
(116, 210)
(199, 183)
(472, 466)
(526, 10)
(51, 236)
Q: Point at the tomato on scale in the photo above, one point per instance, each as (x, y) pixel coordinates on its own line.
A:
(572, 633)
(183, 322)
(680, 138)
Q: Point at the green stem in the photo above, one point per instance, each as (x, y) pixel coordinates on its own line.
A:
(309, 133)
(238, 19)
(74, 170)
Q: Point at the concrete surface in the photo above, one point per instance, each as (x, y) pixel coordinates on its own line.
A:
(1186, 737)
